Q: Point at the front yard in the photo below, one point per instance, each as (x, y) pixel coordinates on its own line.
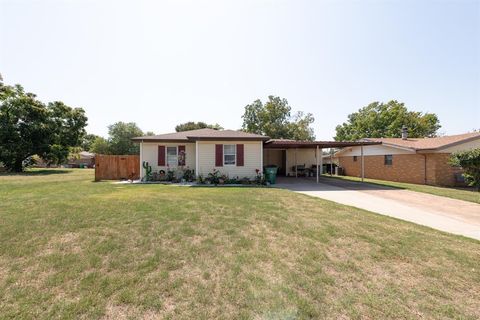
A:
(72, 248)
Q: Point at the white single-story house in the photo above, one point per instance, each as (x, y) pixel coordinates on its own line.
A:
(234, 153)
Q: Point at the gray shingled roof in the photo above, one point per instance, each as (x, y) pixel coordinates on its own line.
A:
(203, 134)
(427, 143)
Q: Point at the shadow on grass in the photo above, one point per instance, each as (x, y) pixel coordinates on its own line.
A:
(221, 186)
(393, 185)
(327, 182)
(359, 182)
(40, 172)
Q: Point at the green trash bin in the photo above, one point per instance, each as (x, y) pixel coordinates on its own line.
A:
(271, 174)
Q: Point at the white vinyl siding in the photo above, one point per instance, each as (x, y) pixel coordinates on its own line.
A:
(304, 157)
(252, 159)
(150, 154)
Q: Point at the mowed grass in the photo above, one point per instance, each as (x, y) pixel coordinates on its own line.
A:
(465, 194)
(73, 248)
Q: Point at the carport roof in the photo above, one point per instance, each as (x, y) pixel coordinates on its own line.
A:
(289, 144)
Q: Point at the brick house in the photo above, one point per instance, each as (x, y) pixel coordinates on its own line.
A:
(411, 160)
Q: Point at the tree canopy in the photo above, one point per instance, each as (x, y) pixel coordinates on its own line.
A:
(100, 146)
(274, 119)
(385, 120)
(191, 125)
(120, 135)
(119, 139)
(470, 162)
(87, 141)
(29, 127)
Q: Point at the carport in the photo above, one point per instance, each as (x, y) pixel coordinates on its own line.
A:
(316, 146)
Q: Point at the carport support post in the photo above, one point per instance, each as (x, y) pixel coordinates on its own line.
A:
(317, 161)
(363, 163)
(141, 160)
(321, 161)
(331, 161)
(296, 169)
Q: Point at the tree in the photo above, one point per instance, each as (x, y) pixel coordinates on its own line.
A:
(87, 141)
(274, 119)
(120, 135)
(379, 120)
(100, 146)
(67, 128)
(28, 127)
(470, 162)
(191, 125)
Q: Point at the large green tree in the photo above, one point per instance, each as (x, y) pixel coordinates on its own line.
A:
(28, 127)
(120, 135)
(100, 146)
(385, 120)
(470, 162)
(191, 125)
(87, 141)
(274, 119)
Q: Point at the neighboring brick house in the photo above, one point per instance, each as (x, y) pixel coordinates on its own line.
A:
(412, 160)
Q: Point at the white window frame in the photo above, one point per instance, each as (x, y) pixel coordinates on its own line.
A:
(234, 155)
(176, 156)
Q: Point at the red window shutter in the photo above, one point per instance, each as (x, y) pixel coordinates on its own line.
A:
(219, 155)
(161, 156)
(181, 155)
(240, 155)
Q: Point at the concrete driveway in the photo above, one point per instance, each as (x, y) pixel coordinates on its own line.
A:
(450, 215)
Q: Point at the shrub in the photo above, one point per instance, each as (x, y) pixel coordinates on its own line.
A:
(214, 177)
(470, 163)
(189, 175)
(200, 179)
(170, 175)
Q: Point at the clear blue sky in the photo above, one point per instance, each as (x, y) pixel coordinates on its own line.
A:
(160, 63)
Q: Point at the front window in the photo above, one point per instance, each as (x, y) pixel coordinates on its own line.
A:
(229, 154)
(172, 158)
(388, 159)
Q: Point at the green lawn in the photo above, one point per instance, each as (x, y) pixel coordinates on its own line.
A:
(73, 248)
(466, 194)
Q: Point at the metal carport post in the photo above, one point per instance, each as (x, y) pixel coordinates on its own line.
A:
(363, 162)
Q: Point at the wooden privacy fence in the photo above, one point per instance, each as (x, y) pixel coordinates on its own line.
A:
(108, 167)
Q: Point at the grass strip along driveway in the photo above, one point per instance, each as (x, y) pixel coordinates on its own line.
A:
(75, 248)
(465, 194)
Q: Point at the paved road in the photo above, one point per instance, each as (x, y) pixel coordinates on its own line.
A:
(450, 215)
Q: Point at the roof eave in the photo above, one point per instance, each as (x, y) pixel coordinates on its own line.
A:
(314, 144)
(398, 147)
(454, 143)
(159, 140)
(228, 138)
